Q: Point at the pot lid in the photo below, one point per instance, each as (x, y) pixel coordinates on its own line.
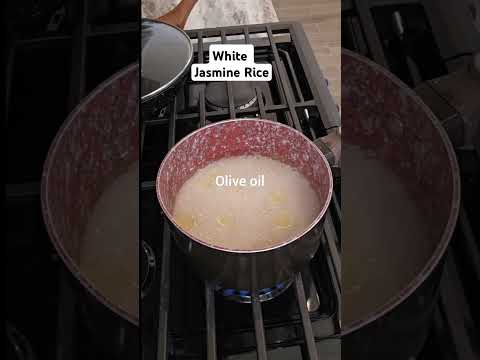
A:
(166, 55)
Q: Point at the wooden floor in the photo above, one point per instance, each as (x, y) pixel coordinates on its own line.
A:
(321, 21)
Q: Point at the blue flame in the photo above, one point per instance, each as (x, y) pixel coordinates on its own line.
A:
(247, 293)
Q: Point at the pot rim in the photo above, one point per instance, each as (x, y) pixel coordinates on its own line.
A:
(55, 238)
(238, 251)
(181, 74)
(438, 253)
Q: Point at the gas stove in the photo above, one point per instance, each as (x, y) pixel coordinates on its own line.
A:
(183, 317)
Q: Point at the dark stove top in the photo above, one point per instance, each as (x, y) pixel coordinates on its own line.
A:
(195, 320)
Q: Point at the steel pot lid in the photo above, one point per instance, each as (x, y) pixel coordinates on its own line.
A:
(166, 56)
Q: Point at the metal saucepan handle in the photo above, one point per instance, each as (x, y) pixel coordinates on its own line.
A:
(331, 146)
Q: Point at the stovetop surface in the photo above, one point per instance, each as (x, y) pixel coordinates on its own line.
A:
(197, 320)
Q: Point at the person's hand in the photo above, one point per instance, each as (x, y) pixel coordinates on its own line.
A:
(179, 15)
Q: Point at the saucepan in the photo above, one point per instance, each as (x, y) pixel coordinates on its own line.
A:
(400, 201)
(96, 144)
(245, 270)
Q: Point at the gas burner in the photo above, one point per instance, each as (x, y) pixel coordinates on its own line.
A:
(148, 265)
(245, 296)
(216, 95)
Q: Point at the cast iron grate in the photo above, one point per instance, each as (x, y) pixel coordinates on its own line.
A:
(297, 96)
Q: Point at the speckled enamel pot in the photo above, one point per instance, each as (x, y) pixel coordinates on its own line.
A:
(235, 268)
(386, 118)
(97, 143)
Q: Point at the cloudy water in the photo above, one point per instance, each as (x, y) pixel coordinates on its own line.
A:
(214, 207)
(109, 253)
(385, 242)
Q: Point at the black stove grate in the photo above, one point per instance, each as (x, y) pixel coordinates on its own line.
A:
(297, 96)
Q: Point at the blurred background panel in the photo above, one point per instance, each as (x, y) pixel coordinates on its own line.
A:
(434, 48)
(55, 53)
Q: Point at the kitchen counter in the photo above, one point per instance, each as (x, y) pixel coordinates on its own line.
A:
(215, 13)
(321, 21)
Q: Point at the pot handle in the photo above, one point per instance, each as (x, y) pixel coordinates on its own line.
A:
(179, 15)
(331, 146)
